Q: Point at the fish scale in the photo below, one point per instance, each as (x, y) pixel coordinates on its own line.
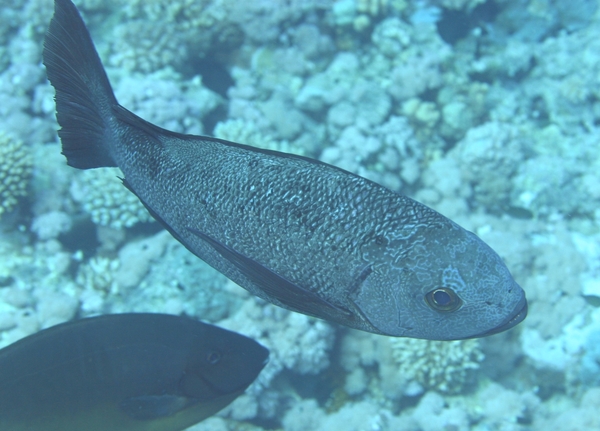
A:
(297, 232)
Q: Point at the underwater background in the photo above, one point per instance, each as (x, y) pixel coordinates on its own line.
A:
(487, 111)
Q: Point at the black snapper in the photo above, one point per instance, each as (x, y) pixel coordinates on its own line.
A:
(299, 233)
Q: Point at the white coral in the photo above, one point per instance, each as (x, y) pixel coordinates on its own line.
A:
(103, 196)
(15, 171)
(439, 365)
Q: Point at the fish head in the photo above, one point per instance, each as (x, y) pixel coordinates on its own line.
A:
(445, 284)
(221, 364)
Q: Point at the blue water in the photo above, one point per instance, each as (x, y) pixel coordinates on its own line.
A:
(485, 111)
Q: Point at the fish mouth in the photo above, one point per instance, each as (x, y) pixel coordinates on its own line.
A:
(516, 317)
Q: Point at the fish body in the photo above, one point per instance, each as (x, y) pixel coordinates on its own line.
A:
(294, 231)
(126, 372)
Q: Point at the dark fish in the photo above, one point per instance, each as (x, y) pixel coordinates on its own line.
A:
(124, 372)
(299, 233)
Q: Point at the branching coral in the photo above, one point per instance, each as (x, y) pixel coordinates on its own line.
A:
(15, 172)
(438, 365)
(104, 198)
(159, 33)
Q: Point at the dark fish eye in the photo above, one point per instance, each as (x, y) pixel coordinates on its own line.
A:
(443, 299)
(213, 357)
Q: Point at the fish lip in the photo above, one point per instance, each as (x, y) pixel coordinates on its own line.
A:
(518, 315)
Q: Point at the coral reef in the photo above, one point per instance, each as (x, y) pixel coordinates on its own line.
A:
(437, 365)
(51, 224)
(158, 273)
(15, 171)
(103, 196)
(460, 4)
(245, 132)
(389, 154)
(495, 126)
(486, 157)
(146, 46)
(35, 288)
(360, 14)
(298, 343)
(158, 34)
(589, 374)
(354, 416)
(580, 417)
(163, 100)
(407, 367)
(559, 162)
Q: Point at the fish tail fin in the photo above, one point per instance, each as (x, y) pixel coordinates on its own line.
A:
(84, 98)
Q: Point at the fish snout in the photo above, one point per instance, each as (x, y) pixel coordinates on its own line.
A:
(517, 315)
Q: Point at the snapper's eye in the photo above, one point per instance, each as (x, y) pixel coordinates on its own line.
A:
(213, 357)
(443, 299)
